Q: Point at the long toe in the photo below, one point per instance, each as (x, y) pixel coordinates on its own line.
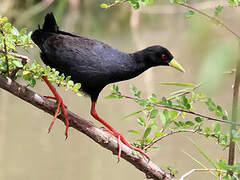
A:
(124, 141)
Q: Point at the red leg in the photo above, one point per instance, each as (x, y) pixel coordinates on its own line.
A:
(54, 98)
(115, 132)
(60, 104)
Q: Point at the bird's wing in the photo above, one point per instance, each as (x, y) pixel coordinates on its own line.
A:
(86, 57)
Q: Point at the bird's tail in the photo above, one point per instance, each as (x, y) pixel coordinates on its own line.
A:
(49, 28)
(50, 24)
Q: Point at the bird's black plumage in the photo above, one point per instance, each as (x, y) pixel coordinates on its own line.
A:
(92, 63)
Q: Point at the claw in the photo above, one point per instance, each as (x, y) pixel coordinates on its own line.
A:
(115, 133)
(119, 148)
(54, 98)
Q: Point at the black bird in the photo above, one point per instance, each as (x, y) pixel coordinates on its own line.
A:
(94, 64)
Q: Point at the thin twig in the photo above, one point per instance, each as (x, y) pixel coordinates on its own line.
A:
(24, 59)
(215, 19)
(19, 56)
(174, 132)
(170, 9)
(183, 110)
(201, 170)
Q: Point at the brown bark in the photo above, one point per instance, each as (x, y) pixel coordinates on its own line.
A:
(104, 139)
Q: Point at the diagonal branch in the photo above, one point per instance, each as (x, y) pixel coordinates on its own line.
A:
(104, 139)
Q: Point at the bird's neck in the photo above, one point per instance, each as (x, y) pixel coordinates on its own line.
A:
(141, 60)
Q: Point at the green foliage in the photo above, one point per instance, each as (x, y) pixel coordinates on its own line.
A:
(161, 117)
(221, 168)
(16, 66)
(176, 1)
(189, 14)
(218, 10)
(159, 123)
(135, 3)
(172, 170)
(234, 2)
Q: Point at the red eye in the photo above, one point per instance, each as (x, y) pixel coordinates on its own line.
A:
(164, 56)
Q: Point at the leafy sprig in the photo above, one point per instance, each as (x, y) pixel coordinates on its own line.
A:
(16, 66)
(157, 124)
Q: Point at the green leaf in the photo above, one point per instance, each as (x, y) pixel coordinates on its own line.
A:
(189, 14)
(142, 102)
(70, 84)
(207, 130)
(158, 134)
(136, 5)
(189, 123)
(67, 78)
(205, 155)
(219, 108)
(216, 127)
(147, 2)
(224, 117)
(134, 91)
(26, 75)
(173, 1)
(134, 132)
(164, 101)
(198, 119)
(218, 10)
(104, 6)
(148, 140)
(154, 125)
(173, 114)
(153, 98)
(164, 116)
(153, 113)
(32, 82)
(132, 114)
(112, 96)
(234, 2)
(76, 87)
(7, 27)
(141, 121)
(17, 63)
(147, 132)
(178, 84)
(14, 31)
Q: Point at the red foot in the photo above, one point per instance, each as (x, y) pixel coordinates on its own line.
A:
(54, 98)
(115, 133)
(60, 104)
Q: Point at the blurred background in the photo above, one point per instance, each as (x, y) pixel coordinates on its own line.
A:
(27, 151)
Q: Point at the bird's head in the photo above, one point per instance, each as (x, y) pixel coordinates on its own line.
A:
(160, 56)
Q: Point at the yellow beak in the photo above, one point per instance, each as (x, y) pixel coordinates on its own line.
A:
(176, 65)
